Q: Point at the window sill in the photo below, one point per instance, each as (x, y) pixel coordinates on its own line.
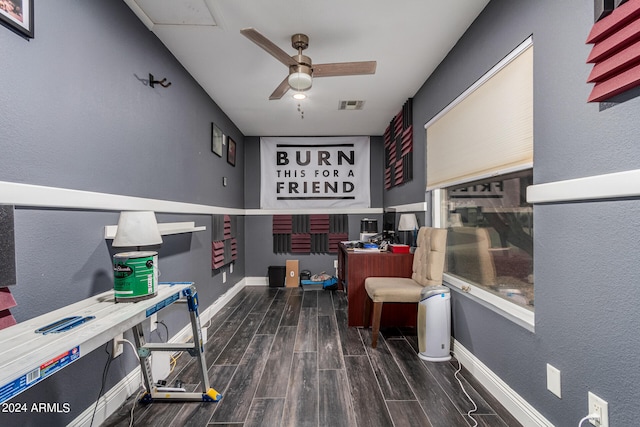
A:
(509, 310)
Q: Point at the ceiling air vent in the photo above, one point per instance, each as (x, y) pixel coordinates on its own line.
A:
(350, 105)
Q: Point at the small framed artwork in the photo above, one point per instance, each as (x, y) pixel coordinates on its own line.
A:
(231, 151)
(216, 139)
(17, 15)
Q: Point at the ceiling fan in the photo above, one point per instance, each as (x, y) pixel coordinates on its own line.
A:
(301, 70)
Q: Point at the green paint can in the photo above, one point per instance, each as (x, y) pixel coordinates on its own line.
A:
(135, 275)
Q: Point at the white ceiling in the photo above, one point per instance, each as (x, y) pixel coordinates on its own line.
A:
(407, 38)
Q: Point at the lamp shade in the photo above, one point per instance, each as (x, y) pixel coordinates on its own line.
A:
(408, 222)
(137, 228)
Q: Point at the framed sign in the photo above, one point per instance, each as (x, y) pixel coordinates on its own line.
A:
(216, 139)
(18, 16)
(231, 151)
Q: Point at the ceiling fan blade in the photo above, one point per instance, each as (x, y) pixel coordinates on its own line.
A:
(282, 56)
(344, 69)
(280, 90)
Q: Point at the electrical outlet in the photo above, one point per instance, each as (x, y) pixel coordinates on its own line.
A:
(600, 407)
(153, 319)
(230, 268)
(118, 346)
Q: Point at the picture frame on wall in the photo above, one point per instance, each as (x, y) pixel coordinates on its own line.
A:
(217, 138)
(17, 15)
(231, 151)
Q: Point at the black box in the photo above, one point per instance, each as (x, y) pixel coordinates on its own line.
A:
(277, 275)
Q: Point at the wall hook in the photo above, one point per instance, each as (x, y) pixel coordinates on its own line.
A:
(163, 82)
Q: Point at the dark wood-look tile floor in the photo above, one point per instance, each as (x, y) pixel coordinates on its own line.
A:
(285, 357)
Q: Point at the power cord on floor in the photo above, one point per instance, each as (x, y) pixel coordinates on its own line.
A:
(174, 361)
(142, 387)
(475, 407)
(135, 401)
(104, 380)
(593, 416)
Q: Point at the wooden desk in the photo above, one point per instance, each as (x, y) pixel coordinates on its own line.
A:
(355, 267)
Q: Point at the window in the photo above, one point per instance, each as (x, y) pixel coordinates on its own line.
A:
(478, 166)
(490, 240)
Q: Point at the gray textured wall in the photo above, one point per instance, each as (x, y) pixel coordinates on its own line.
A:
(411, 191)
(586, 291)
(75, 112)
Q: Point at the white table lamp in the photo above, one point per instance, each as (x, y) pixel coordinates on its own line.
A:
(137, 228)
(408, 222)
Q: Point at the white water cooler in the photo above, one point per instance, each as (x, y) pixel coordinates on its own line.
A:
(434, 324)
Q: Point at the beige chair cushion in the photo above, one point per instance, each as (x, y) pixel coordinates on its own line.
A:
(428, 263)
(392, 289)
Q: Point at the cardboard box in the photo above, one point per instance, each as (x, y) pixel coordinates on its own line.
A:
(293, 276)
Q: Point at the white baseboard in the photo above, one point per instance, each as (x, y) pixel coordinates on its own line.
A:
(118, 394)
(257, 281)
(526, 414)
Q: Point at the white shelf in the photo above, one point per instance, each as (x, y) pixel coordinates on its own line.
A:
(165, 228)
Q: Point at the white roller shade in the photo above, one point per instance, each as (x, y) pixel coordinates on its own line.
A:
(488, 129)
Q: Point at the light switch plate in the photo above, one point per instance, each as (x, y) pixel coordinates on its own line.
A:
(553, 381)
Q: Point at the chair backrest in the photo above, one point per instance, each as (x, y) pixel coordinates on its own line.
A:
(428, 259)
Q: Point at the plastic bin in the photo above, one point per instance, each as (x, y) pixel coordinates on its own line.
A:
(277, 274)
(330, 284)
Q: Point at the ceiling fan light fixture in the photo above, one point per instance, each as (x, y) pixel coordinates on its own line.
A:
(299, 96)
(301, 68)
(299, 81)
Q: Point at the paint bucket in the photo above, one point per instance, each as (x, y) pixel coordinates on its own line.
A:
(135, 275)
